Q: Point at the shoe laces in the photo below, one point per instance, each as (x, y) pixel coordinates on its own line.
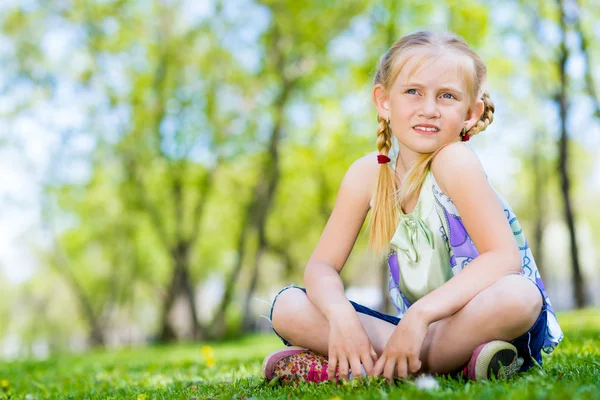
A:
(315, 375)
(513, 368)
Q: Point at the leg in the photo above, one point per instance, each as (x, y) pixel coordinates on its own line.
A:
(504, 311)
(301, 323)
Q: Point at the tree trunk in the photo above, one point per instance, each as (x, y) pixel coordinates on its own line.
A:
(590, 85)
(266, 188)
(217, 326)
(96, 336)
(267, 191)
(167, 333)
(248, 321)
(61, 264)
(539, 199)
(190, 294)
(561, 98)
(180, 285)
(289, 264)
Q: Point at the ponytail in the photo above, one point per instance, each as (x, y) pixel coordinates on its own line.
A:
(384, 212)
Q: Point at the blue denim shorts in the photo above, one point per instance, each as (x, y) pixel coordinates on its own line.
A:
(529, 345)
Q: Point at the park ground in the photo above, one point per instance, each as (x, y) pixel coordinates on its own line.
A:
(231, 370)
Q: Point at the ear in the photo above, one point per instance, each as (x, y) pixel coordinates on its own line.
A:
(474, 113)
(381, 101)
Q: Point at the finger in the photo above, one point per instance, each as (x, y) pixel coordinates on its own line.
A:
(331, 367)
(374, 354)
(343, 367)
(388, 370)
(378, 368)
(367, 363)
(402, 368)
(414, 364)
(356, 367)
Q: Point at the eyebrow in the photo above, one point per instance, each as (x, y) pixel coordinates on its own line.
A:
(420, 85)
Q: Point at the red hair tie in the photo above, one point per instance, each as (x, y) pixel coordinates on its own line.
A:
(383, 159)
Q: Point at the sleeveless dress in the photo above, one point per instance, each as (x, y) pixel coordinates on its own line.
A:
(431, 244)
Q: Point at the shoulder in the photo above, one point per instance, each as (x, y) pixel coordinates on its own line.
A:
(367, 164)
(361, 175)
(456, 165)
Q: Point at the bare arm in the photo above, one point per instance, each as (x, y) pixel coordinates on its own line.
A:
(460, 175)
(321, 276)
(349, 345)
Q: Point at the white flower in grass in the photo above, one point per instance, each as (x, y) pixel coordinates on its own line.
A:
(427, 382)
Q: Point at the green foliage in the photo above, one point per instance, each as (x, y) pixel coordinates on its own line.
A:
(175, 100)
(469, 19)
(232, 370)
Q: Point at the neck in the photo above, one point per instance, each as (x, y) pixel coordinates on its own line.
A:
(406, 159)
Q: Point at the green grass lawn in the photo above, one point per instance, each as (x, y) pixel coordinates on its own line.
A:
(181, 372)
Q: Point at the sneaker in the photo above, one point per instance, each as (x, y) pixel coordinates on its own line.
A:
(496, 358)
(294, 364)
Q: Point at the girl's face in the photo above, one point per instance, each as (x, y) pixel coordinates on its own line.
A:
(428, 105)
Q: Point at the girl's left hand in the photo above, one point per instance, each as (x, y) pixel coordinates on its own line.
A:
(401, 354)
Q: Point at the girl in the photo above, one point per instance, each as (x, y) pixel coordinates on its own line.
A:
(462, 277)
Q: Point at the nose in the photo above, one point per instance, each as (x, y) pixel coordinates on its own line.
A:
(429, 107)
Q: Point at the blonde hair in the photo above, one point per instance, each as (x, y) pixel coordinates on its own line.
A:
(387, 197)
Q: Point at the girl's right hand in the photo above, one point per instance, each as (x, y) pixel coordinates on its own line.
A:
(349, 346)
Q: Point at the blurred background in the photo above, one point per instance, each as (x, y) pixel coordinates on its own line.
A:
(166, 166)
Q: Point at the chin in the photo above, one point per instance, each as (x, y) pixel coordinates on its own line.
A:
(425, 148)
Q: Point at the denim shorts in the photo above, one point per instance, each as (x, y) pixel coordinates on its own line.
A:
(529, 345)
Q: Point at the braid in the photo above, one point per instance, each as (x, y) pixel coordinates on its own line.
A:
(384, 136)
(486, 118)
(384, 212)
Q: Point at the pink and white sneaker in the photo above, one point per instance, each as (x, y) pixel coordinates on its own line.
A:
(296, 364)
(496, 358)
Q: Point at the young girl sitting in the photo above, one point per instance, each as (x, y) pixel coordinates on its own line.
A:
(469, 296)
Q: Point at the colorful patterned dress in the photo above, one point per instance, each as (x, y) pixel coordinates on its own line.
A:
(460, 249)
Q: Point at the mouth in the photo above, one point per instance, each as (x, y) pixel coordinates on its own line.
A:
(426, 129)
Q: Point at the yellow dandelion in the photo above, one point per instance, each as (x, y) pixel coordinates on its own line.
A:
(3, 383)
(208, 355)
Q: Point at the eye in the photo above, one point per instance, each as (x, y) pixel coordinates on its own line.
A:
(411, 91)
(448, 96)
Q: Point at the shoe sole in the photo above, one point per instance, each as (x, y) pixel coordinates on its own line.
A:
(496, 358)
(269, 362)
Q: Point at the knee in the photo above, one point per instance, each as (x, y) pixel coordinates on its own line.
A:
(517, 300)
(285, 307)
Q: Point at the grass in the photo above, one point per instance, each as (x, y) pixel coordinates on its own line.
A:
(232, 371)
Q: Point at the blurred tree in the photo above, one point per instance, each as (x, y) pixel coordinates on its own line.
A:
(160, 129)
(556, 86)
(584, 47)
(213, 144)
(563, 103)
(290, 68)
